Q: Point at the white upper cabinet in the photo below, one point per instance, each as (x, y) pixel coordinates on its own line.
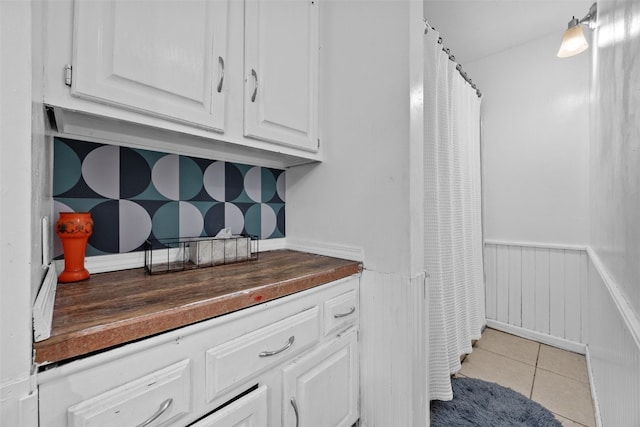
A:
(281, 72)
(230, 80)
(162, 58)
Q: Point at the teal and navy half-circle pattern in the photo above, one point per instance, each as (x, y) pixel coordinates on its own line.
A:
(134, 195)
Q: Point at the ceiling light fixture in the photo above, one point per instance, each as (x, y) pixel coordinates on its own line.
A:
(573, 40)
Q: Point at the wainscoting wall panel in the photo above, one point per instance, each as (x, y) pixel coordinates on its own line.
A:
(537, 288)
(563, 296)
(393, 348)
(614, 349)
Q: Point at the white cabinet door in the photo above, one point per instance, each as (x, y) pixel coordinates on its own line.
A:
(162, 58)
(281, 72)
(321, 388)
(248, 411)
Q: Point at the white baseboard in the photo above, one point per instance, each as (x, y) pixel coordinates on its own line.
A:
(272, 244)
(338, 251)
(592, 385)
(537, 336)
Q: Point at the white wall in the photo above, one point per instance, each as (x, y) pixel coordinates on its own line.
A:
(41, 158)
(614, 276)
(615, 147)
(367, 193)
(18, 403)
(535, 142)
(359, 195)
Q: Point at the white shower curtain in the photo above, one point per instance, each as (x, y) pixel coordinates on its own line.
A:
(453, 229)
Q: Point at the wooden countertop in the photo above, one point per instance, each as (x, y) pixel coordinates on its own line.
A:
(114, 308)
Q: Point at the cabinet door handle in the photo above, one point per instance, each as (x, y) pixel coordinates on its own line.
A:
(295, 410)
(161, 410)
(221, 62)
(280, 350)
(255, 88)
(348, 313)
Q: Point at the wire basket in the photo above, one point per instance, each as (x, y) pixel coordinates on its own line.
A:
(179, 254)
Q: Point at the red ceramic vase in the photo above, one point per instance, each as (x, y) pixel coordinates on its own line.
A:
(74, 229)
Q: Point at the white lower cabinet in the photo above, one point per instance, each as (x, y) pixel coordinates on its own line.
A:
(321, 388)
(246, 368)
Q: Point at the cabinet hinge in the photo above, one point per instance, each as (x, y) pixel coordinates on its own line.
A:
(67, 74)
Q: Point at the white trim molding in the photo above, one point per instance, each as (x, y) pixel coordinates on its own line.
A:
(338, 251)
(43, 306)
(561, 343)
(536, 244)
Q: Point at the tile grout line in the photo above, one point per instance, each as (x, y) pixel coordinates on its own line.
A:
(508, 357)
(570, 419)
(535, 371)
(536, 368)
(564, 376)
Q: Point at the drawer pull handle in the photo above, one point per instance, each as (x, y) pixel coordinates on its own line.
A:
(348, 313)
(161, 410)
(280, 350)
(255, 87)
(295, 410)
(221, 82)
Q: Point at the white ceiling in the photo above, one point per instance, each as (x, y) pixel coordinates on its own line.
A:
(473, 29)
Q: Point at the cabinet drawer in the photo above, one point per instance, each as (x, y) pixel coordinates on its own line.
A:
(250, 410)
(340, 311)
(245, 356)
(164, 395)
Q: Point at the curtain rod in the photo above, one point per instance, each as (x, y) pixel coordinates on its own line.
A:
(464, 75)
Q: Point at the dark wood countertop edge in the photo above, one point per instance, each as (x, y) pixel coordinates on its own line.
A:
(71, 345)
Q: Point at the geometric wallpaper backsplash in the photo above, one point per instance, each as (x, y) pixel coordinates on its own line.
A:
(134, 195)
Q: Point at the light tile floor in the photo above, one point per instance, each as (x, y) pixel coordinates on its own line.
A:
(556, 379)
